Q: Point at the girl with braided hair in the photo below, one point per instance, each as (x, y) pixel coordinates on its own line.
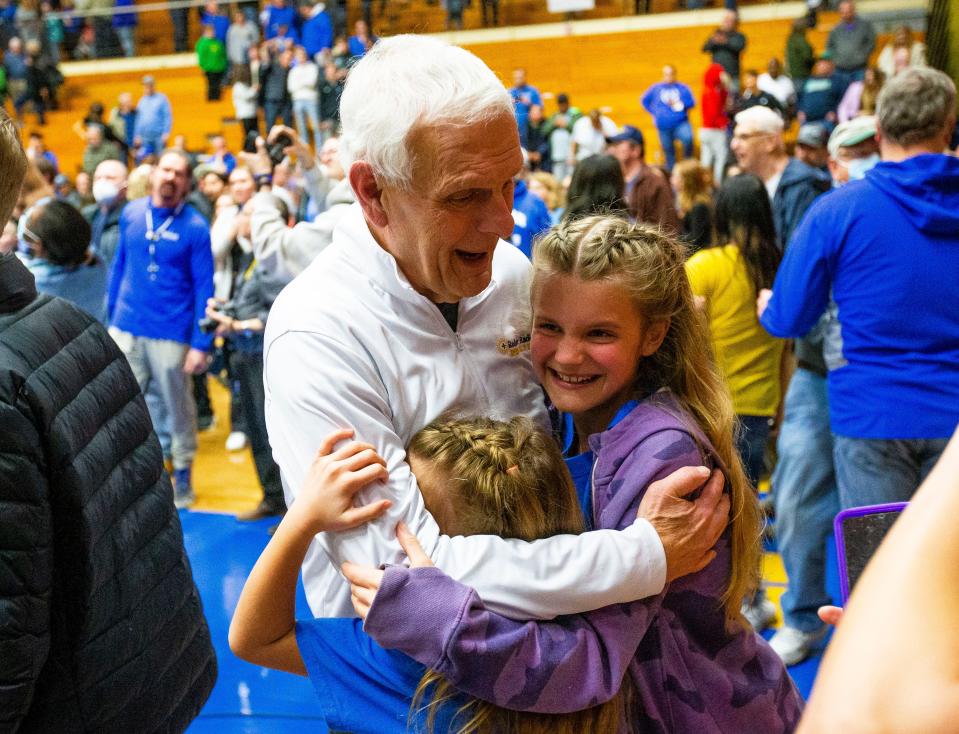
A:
(478, 476)
(624, 353)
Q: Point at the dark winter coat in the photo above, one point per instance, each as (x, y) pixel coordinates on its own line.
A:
(101, 626)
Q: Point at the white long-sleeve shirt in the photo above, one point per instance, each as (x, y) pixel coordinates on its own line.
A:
(302, 80)
(350, 343)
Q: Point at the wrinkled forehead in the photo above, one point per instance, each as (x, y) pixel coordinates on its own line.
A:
(471, 150)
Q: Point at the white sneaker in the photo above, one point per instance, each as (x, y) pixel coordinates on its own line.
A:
(184, 500)
(793, 646)
(760, 613)
(236, 441)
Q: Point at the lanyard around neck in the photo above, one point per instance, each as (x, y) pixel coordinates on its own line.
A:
(154, 235)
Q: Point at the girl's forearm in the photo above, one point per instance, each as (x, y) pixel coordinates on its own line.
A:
(262, 631)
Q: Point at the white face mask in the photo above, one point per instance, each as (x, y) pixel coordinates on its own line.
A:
(105, 192)
(860, 166)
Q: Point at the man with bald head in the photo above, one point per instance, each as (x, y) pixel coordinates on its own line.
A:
(110, 194)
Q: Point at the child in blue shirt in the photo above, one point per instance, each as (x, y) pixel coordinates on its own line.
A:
(477, 476)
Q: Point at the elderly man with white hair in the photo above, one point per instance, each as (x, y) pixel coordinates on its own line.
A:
(414, 310)
(792, 185)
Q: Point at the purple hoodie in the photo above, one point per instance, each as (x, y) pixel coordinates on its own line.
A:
(689, 672)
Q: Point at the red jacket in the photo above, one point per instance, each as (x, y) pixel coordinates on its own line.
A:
(714, 96)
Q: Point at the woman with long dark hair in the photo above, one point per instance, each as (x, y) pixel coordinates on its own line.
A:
(597, 187)
(728, 278)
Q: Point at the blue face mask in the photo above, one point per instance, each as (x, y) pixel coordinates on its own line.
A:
(27, 240)
(26, 248)
(857, 168)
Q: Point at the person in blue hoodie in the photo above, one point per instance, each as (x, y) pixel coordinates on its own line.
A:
(530, 214)
(887, 249)
(317, 32)
(669, 103)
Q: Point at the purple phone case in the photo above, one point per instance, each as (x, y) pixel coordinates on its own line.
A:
(840, 543)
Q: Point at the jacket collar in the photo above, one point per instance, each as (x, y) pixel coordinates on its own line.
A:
(17, 285)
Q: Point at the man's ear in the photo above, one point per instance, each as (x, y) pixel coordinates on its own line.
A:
(368, 193)
(653, 338)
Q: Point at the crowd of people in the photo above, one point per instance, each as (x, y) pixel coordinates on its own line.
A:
(681, 318)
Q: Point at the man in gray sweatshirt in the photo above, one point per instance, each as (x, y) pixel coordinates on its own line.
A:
(850, 43)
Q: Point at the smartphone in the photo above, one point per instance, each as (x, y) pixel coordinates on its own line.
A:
(859, 531)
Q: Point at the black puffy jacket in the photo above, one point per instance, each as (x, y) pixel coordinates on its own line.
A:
(101, 626)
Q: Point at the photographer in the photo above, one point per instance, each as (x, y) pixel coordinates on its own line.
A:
(278, 248)
(241, 322)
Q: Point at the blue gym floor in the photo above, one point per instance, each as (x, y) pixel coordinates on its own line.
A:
(251, 700)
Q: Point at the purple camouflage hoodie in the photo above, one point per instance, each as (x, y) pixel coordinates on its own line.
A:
(690, 674)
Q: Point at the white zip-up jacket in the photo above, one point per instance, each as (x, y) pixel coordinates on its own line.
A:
(349, 343)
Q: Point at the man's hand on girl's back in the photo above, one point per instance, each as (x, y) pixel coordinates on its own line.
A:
(688, 529)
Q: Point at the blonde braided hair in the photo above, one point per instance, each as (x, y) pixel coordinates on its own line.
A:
(507, 479)
(650, 265)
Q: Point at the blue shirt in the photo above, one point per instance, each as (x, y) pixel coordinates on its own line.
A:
(276, 17)
(169, 302)
(358, 46)
(317, 33)
(220, 23)
(84, 286)
(581, 465)
(887, 249)
(363, 688)
(668, 104)
(524, 97)
(530, 218)
(154, 117)
(124, 20)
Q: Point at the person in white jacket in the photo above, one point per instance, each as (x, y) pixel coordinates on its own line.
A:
(416, 310)
(279, 249)
(302, 85)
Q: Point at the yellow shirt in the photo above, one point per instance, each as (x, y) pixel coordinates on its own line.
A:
(747, 355)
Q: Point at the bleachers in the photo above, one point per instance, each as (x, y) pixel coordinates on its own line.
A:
(597, 69)
(155, 32)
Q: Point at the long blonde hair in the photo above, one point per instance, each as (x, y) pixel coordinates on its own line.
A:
(507, 479)
(650, 265)
(694, 185)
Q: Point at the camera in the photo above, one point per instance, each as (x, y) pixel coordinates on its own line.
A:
(275, 149)
(208, 325)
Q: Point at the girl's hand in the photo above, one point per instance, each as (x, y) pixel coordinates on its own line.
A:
(365, 581)
(333, 481)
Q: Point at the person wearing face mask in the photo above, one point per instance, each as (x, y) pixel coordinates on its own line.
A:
(54, 244)
(110, 194)
(885, 249)
(853, 150)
